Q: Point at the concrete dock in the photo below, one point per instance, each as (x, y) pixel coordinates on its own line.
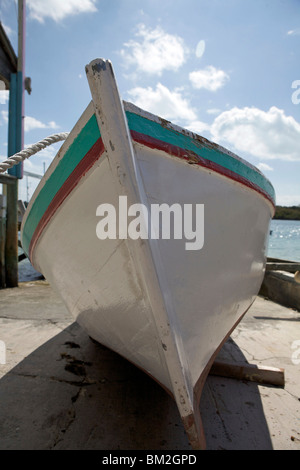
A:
(60, 390)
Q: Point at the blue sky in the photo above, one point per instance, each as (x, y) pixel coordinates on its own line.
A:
(222, 68)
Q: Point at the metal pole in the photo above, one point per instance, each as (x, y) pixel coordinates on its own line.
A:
(21, 71)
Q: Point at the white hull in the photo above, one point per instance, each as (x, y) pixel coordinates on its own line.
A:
(164, 308)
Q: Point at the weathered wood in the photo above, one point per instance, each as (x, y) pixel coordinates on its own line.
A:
(281, 287)
(11, 244)
(2, 239)
(251, 372)
(21, 207)
(7, 179)
(21, 257)
(8, 59)
(15, 142)
(288, 267)
(21, 212)
(278, 260)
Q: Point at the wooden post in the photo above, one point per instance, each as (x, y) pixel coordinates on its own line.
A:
(2, 239)
(16, 96)
(11, 239)
(11, 245)
(15, 144)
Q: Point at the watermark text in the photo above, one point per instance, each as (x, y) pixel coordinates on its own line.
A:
(296, 94)
(161, 221)
(296, 354)
(2, 353)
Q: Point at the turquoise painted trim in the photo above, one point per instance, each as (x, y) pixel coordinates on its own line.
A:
(15, 131)
(74, 154)
(90, 134)
(154, 129)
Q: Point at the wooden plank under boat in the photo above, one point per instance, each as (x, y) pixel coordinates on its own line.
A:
(161, 302)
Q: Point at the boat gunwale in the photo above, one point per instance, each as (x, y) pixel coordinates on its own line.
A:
(202, 143)
(173, 150)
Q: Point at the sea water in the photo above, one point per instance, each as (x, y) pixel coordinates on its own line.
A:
(284, 240)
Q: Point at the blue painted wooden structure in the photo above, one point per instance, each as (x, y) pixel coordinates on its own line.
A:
(15, 131)
(11, 71)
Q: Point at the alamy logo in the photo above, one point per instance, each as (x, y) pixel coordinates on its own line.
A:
(296, 94)
(162, 221)
(2, 352)
(296, 354)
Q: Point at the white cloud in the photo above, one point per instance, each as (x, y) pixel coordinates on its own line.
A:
(200, 48)
(155, 52)
(31, 123)
(264, 167)
(9, 31)
(4, 96)
(46, 155)
(57, 10)
(163, 102)
(4, 117)
(209, 78)
(198, 127)
(213, 111)
(293, 32)
(288, 200)
(266, 135)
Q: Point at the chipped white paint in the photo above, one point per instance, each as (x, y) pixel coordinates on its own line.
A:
(164, 308)
(116, 137)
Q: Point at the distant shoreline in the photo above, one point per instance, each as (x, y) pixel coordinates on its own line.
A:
(287, 213)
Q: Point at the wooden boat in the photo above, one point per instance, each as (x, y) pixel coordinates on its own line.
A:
(165, 307)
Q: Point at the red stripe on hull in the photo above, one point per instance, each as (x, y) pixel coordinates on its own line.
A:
(95, 153)
(195, 159)
(71, 182)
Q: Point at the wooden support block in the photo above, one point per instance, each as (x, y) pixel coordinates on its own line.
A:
(21, 257)
(7, 179)
(288, 267)
(252, 372)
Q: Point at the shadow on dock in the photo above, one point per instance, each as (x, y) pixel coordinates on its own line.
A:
(72, 393)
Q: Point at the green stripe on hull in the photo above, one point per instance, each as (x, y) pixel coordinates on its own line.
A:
(154, 129)
(90, 134)
(78, 149)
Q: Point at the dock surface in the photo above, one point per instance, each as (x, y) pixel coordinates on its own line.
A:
(61, 390)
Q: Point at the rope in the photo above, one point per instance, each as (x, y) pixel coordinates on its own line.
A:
(31, 150)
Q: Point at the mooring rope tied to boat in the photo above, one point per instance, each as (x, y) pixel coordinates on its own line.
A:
(31, 150)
